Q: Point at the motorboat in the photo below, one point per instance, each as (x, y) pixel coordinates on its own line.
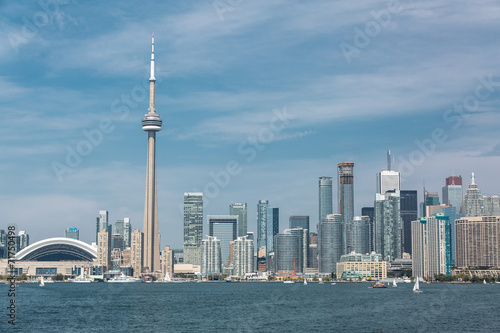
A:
(124, 279)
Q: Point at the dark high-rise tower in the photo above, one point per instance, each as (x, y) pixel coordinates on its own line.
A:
(151, 123)
(409, 212)
(346, 202)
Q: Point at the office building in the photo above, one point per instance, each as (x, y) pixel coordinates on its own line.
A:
(104, 249)
(102, 223)
(72, 233)
(345, 172)
(193, 227)
(451, 212)
(409, 212)
(478, 242)
(431, 199)
(325, 197)
(431, 241)
(124, 228)
(298, 221)
(137, 252)
(491, 205)
(329, 243)
(473, 201)
(243, 260)
(288, 255)
(273, 227)
(224, 228)
(24, 239)
(262, 234)
(117, 242)
(388, 180)
(240, 209)
(360, 228)
(388, 225)
(211, 256)
(357, 266)
(370, 212)
(453, 193)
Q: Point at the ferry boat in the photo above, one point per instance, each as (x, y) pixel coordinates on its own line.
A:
(124, 279)
(379, 285)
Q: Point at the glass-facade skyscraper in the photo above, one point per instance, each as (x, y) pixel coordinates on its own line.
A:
(388, 225)
(193, 227)
(273, 227)
(409, 213)
(329, 243)
(473, 201)
(102, 223)
(370, 212)
(72, 233)
(298, 221)
(325, 197)
(240, 209)
(360, 228)
(453, 192)
(288, 253)
(346, 202)
(262, 234)
(224, 228)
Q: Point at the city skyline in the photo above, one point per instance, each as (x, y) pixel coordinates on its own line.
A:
(80, 82)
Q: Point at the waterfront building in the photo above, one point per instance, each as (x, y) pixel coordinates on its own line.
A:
(167, 262)
(345, 180)
(298, 221)
(370, 212)
(431, 241)
(72, 233)
(103, 249)
(243, 261)
(137, 252)
(224, 228)
(452, 213)
(211, 256)
(193, 227)
(325, 197)
(273, 227)
(360, 238)
(359, 266)
(409, 212)
(288, 256)
(478, 241)
(388, 225)
(262, 234)
(102, 223)
(329, 243)
(453, 193)
(240, 209)
(151, 123)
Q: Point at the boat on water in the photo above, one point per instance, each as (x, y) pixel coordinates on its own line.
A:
(49, 280)
(305, 282)
(334, 283)
(484, 281)
(416, 286)
(81, 278)
(288, 281)
(42, 283)
(379, 285)
(394, 284)
(124, 279)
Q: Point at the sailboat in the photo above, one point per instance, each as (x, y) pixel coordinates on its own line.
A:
(394, 284)
(416, 287)
(167, 277)
(305, 282)
(41, 281)
(484, 281)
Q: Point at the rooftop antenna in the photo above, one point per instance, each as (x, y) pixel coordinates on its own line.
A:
(473, 180)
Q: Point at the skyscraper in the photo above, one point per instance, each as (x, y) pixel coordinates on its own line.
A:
(431, 246)
(273, 227)
(430, 199)
(24, 239)
(298, 221)
(329, 243)
(151, 123)
(137, 252)
(123, 227)
(101, 223)
(409, 213)
(474, 201)
(224, 228)
(72, 233)
(370, 212)
(103, 249)
(193, 227)
(491, 205)
(360, 228)
(303, 244)
(388, 225)
(240, 209)
(211, 256)
(388, 180)
(243, 256)
(325, 197)
(346, 202)
(289, 253)
(453, 193)
(262, 234)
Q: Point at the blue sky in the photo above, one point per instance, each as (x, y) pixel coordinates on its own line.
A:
(353, 79)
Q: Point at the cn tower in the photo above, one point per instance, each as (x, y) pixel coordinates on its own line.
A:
(151, 123)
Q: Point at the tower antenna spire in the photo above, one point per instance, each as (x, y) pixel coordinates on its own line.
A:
(152, 78)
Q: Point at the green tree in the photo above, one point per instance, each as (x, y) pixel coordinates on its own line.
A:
(58, 277)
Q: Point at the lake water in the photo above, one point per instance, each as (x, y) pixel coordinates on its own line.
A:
(252, 307)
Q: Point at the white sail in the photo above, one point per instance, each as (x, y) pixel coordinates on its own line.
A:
(167, 277)
(394, 284)
(416, 287)
(41, 282)
(305, 282)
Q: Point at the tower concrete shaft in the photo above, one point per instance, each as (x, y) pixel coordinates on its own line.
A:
(151, 123)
